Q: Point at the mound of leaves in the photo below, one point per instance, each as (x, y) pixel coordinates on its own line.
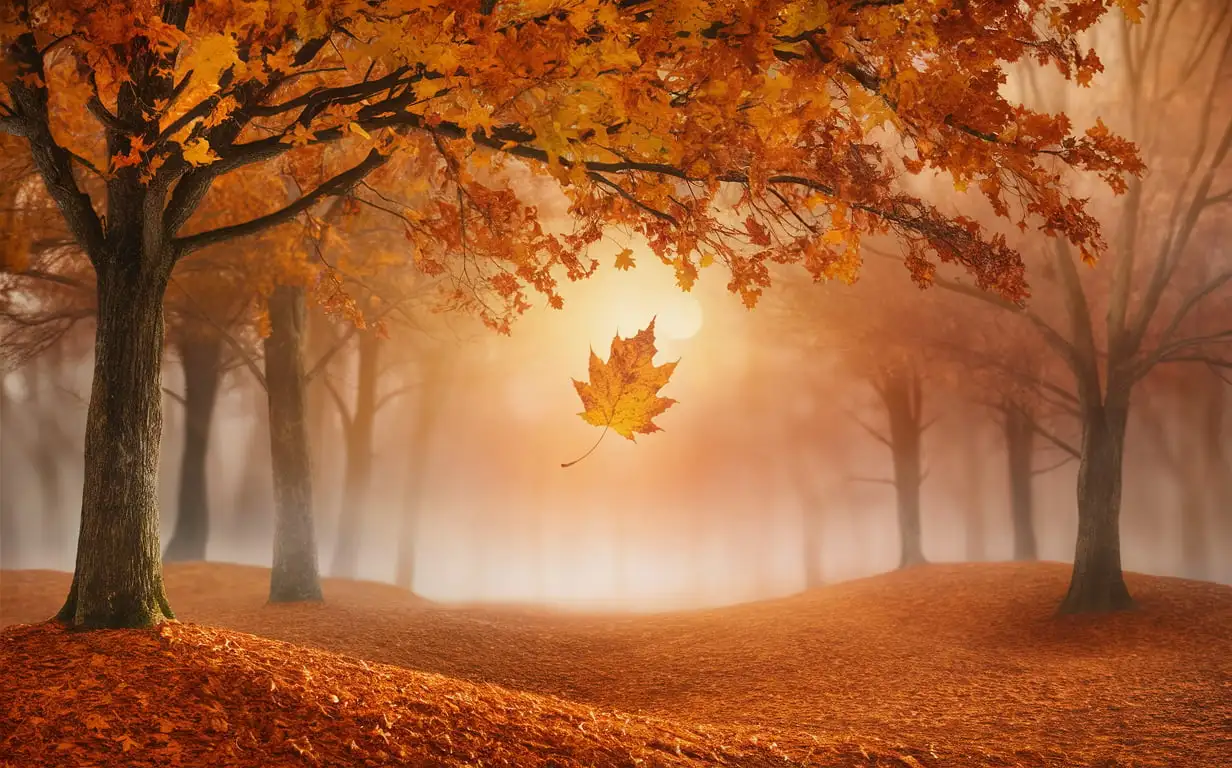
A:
(190, 695)
(968, 664)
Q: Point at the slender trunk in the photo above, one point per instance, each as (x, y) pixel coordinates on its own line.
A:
(118, 581)
(359, 460)
(811, 538)
(10, 546)
(1218, 480)
(1020, 449)
(294, 576)
(201, 358)
(901, 394)
(320, 339)
(973, 497)
(49, 450)
(434, 373)
(254, 492)
(1097, 583)
(1194, 561)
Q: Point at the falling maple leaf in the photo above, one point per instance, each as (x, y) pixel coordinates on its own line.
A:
(624, 259)
(622, 394)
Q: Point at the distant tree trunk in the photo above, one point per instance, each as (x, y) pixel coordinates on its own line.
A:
(1097, 583)
(118, 579)
(320, 339)
(974, 534)
(201, 358)
(49, 448)
(358, 460)
(1020, 450)
(10, 545)
(253, 497)
(432, 385)
(811, 539)
(1198, 476)
(294, 576)
(901, 391)
(1214, 438)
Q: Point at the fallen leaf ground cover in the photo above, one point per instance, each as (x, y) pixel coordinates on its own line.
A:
(943, 665)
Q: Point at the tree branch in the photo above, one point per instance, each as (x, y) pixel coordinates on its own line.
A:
(338, 185)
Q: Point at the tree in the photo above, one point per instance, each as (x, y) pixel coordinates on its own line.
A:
(615, 100)
(1177, 60)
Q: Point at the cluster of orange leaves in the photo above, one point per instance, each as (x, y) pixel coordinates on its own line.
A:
(741, 132)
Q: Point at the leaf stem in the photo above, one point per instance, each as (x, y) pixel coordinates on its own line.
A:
(592, 449)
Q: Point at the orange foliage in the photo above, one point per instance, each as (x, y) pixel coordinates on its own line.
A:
(749, 132)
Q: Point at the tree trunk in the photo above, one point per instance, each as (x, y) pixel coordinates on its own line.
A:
(811, 541)
(253, 499)
(201, 358)
(974, 530)
(1097, 583)
(901, 392)
(811, 516)
(294, 576)
(118, 581)
(1218, 481)
(49, 449)
(1020, 449)
(10, 546)
(359, 460)
(432, 386)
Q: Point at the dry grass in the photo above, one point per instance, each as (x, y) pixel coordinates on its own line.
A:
(943, 665)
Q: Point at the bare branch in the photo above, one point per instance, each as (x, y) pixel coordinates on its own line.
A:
(176, 396)
(1055, 440)
(869, 429)
(388, 397)
(230, 340)
(343, 411)
(1051, 467)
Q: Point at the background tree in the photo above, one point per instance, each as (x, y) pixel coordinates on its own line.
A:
(1110, 326)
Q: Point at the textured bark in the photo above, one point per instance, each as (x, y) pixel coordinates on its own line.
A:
(294, 576)
(358, 476)
(118, 577)
(1020, 450)
(1096, 583)
(901, 393)
(201, 358)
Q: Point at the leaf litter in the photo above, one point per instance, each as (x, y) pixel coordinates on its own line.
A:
(960, 665)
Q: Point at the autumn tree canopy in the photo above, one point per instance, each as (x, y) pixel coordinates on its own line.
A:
(730, 131)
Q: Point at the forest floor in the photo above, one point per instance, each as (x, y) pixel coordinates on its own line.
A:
(944, 665)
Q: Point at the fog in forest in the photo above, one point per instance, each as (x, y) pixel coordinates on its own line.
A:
(713, 510)
(777, 467)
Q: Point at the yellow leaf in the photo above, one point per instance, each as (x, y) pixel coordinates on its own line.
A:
(355, 128)
(198, 152)
(624, 259)
(622, 394)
